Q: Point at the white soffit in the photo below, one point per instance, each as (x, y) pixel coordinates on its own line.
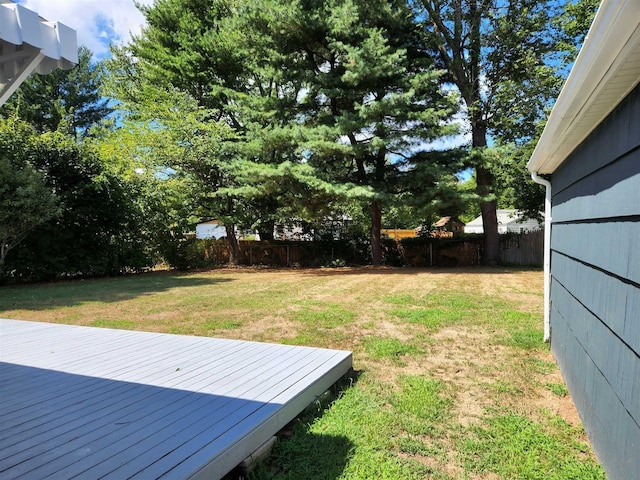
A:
(28, 44)
(606, 70)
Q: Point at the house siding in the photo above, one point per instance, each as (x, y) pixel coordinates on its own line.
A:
(595, 286)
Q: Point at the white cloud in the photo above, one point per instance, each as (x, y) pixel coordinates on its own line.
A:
(97, 22)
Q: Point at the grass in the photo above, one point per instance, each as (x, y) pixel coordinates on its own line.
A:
(514, 446)
(453, 379)
(379, 348)
(557, 388)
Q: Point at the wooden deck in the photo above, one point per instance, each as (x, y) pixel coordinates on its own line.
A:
(99, 403)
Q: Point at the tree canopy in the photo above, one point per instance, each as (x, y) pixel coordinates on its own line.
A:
(335, 98)
(25, 200)
(504, 58)
(265, 112)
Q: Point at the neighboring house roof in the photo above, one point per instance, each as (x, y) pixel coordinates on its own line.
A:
(605, 71)
(444, 221)
(30, 43)
(476, 222)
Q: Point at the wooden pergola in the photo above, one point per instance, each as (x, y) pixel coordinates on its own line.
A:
(31, 44)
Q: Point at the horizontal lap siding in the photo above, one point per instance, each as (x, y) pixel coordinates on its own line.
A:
(595, 268)
(609, 246)
(610, 193)
(616, 441)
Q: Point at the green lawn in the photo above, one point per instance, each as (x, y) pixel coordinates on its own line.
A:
(452, 380)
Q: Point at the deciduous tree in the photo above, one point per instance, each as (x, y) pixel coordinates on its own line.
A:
(25, 199)
(500, 54)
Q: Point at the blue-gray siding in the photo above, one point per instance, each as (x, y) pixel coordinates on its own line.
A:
(82, 402)
(595, 289)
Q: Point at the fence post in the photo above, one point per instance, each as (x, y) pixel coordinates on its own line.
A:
(288, 257)
(250, 254)
(431, 254)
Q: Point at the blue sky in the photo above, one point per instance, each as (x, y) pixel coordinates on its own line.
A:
(97, 22)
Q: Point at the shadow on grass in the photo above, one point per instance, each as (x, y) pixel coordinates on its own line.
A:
(71, 293)
(303, 454)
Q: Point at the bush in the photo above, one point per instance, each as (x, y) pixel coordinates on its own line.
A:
(189, 253)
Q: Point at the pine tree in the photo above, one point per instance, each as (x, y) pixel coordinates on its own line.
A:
(372, 101)
(322, 102)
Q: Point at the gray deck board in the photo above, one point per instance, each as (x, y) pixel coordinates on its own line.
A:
(82, 402)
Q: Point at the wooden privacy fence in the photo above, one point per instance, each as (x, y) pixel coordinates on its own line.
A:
(285, 253)
(525, 249)
(515, 249)
(522, 249)
(441, 252)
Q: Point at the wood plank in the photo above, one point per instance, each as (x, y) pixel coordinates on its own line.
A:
(220, 426)
(116, 404)
(606, 351)
(107, 421)
(608, 298)
(83, 393)
(613, 138)
(166, 416)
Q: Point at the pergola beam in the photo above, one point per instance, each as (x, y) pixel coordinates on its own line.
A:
(31, 44)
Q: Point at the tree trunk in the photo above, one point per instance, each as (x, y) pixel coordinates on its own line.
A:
(3, 253)
(265, 230)
(484, 180)
(491, 254)
(234, 249)
(376, 225)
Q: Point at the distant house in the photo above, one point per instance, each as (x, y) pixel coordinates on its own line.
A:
(449, 224)
(212, 229)
(590, 149)
(508, 221)
(294, 230)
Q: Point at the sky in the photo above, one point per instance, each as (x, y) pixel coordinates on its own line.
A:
(98, 23)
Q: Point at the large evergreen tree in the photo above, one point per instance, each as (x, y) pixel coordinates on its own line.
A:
(219, 64)
(320, 101)
(372, 101)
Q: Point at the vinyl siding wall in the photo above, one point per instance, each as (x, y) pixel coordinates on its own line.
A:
(595, 289)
